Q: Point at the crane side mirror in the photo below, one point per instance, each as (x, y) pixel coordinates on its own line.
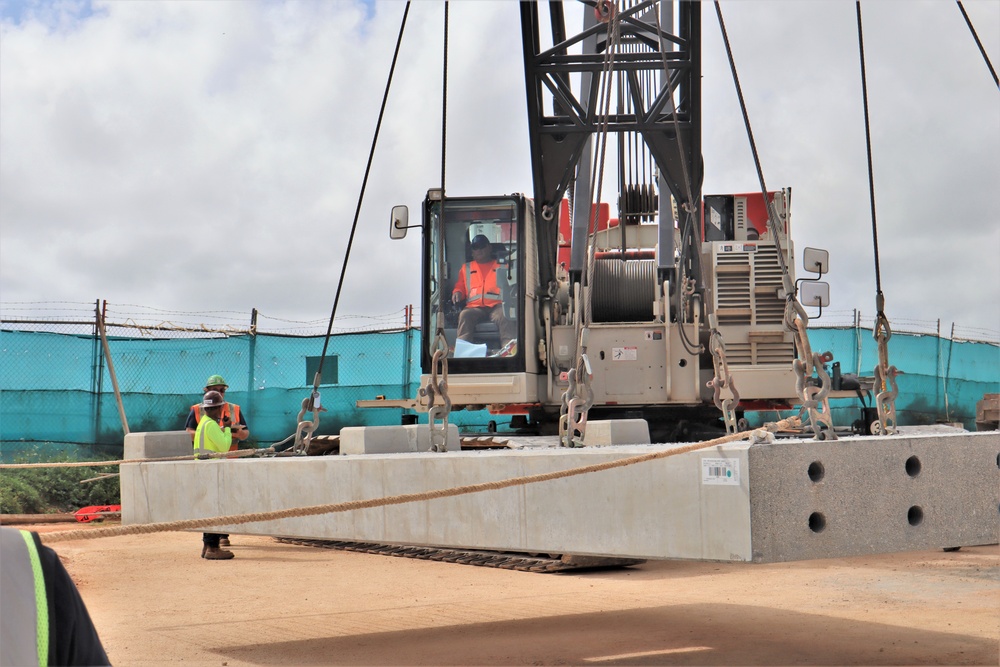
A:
(815, 294)
(816, 260)
(399, 222)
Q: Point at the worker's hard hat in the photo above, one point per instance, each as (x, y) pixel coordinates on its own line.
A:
(213, 399)
(215, 381)
(480, 241)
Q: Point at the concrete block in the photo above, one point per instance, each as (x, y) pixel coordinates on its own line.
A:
(988, 413)
(393, 439)
(158, 445)
(616, 432)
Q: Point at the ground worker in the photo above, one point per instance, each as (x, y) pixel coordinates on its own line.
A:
(231, 413)
(478, 286)
(43, 620)
(209, 437)
(232, 416)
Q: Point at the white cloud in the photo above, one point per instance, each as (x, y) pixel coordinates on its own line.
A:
(200, 156)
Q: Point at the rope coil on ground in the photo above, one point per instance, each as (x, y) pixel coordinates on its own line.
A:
(238, 519)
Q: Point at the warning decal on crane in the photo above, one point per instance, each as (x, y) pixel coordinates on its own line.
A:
(738, 247)
(624, 353)
(720, 471)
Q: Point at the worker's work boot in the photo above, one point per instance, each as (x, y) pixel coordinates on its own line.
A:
(224, 542)
(215, 553)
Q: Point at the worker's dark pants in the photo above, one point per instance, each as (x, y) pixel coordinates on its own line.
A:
(212, 539)
(470, 317)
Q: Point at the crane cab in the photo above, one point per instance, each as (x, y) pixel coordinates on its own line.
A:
(477, 285)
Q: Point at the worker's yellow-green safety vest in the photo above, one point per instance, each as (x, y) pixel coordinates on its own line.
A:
(24, 607)
(218, 441)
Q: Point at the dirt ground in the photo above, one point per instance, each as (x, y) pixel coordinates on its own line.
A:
(155, 601)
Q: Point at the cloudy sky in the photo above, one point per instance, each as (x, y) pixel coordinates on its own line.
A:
(203, 156)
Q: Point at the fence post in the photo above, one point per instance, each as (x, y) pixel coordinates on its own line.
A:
(947, 372)
(407, 350)
(938, 387)
(253, 357)
(97, 377)
(857, 342)
(111, 370)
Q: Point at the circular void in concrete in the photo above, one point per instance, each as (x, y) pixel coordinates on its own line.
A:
(816, 471)
(915, 515)
(913, 466)
(817, 522)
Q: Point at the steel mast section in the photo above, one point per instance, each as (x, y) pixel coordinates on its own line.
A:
(668, 119)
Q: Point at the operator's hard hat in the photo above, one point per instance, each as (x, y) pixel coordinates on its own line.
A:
(215, 381)
(480, 241)
(213, 399)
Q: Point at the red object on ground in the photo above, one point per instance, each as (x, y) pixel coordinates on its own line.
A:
(95, 512)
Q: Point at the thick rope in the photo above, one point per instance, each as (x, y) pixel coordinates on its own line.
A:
(98, 464)
(238, 519)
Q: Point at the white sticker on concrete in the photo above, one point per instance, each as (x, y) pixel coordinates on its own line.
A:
(720, 471)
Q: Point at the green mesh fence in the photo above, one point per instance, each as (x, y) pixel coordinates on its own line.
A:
(56, 388)
(941, 380)
(56, 392)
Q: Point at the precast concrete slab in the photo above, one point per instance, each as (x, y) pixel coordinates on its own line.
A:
(766, 502)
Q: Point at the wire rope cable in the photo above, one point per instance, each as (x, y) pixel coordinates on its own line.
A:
(361, 197)
(868, 144)
(688, 208)
(444, 104)
(979, 43)
(771, 221)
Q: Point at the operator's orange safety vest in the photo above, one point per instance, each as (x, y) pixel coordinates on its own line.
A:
(478, 283)
(230, 410)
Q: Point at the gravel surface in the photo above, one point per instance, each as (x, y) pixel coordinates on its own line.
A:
(155, 601)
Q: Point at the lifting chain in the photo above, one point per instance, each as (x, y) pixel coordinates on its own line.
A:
(576, 401)
(305, 429)
(437, 415)
(815, 400)
(690, 287)
(579, 395)
(723, 379)
(885, 375)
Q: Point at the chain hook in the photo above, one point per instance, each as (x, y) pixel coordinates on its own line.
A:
(306, 428)
(437, 415)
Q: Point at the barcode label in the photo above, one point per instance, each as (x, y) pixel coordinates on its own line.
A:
(720, 471)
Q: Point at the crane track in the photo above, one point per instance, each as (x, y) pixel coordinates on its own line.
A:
(502, 560)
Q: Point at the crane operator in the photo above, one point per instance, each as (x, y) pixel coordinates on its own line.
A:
(478, 286)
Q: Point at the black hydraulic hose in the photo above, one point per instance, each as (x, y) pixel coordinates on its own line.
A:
(975, 36)
(357, 211)
(871, 177)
